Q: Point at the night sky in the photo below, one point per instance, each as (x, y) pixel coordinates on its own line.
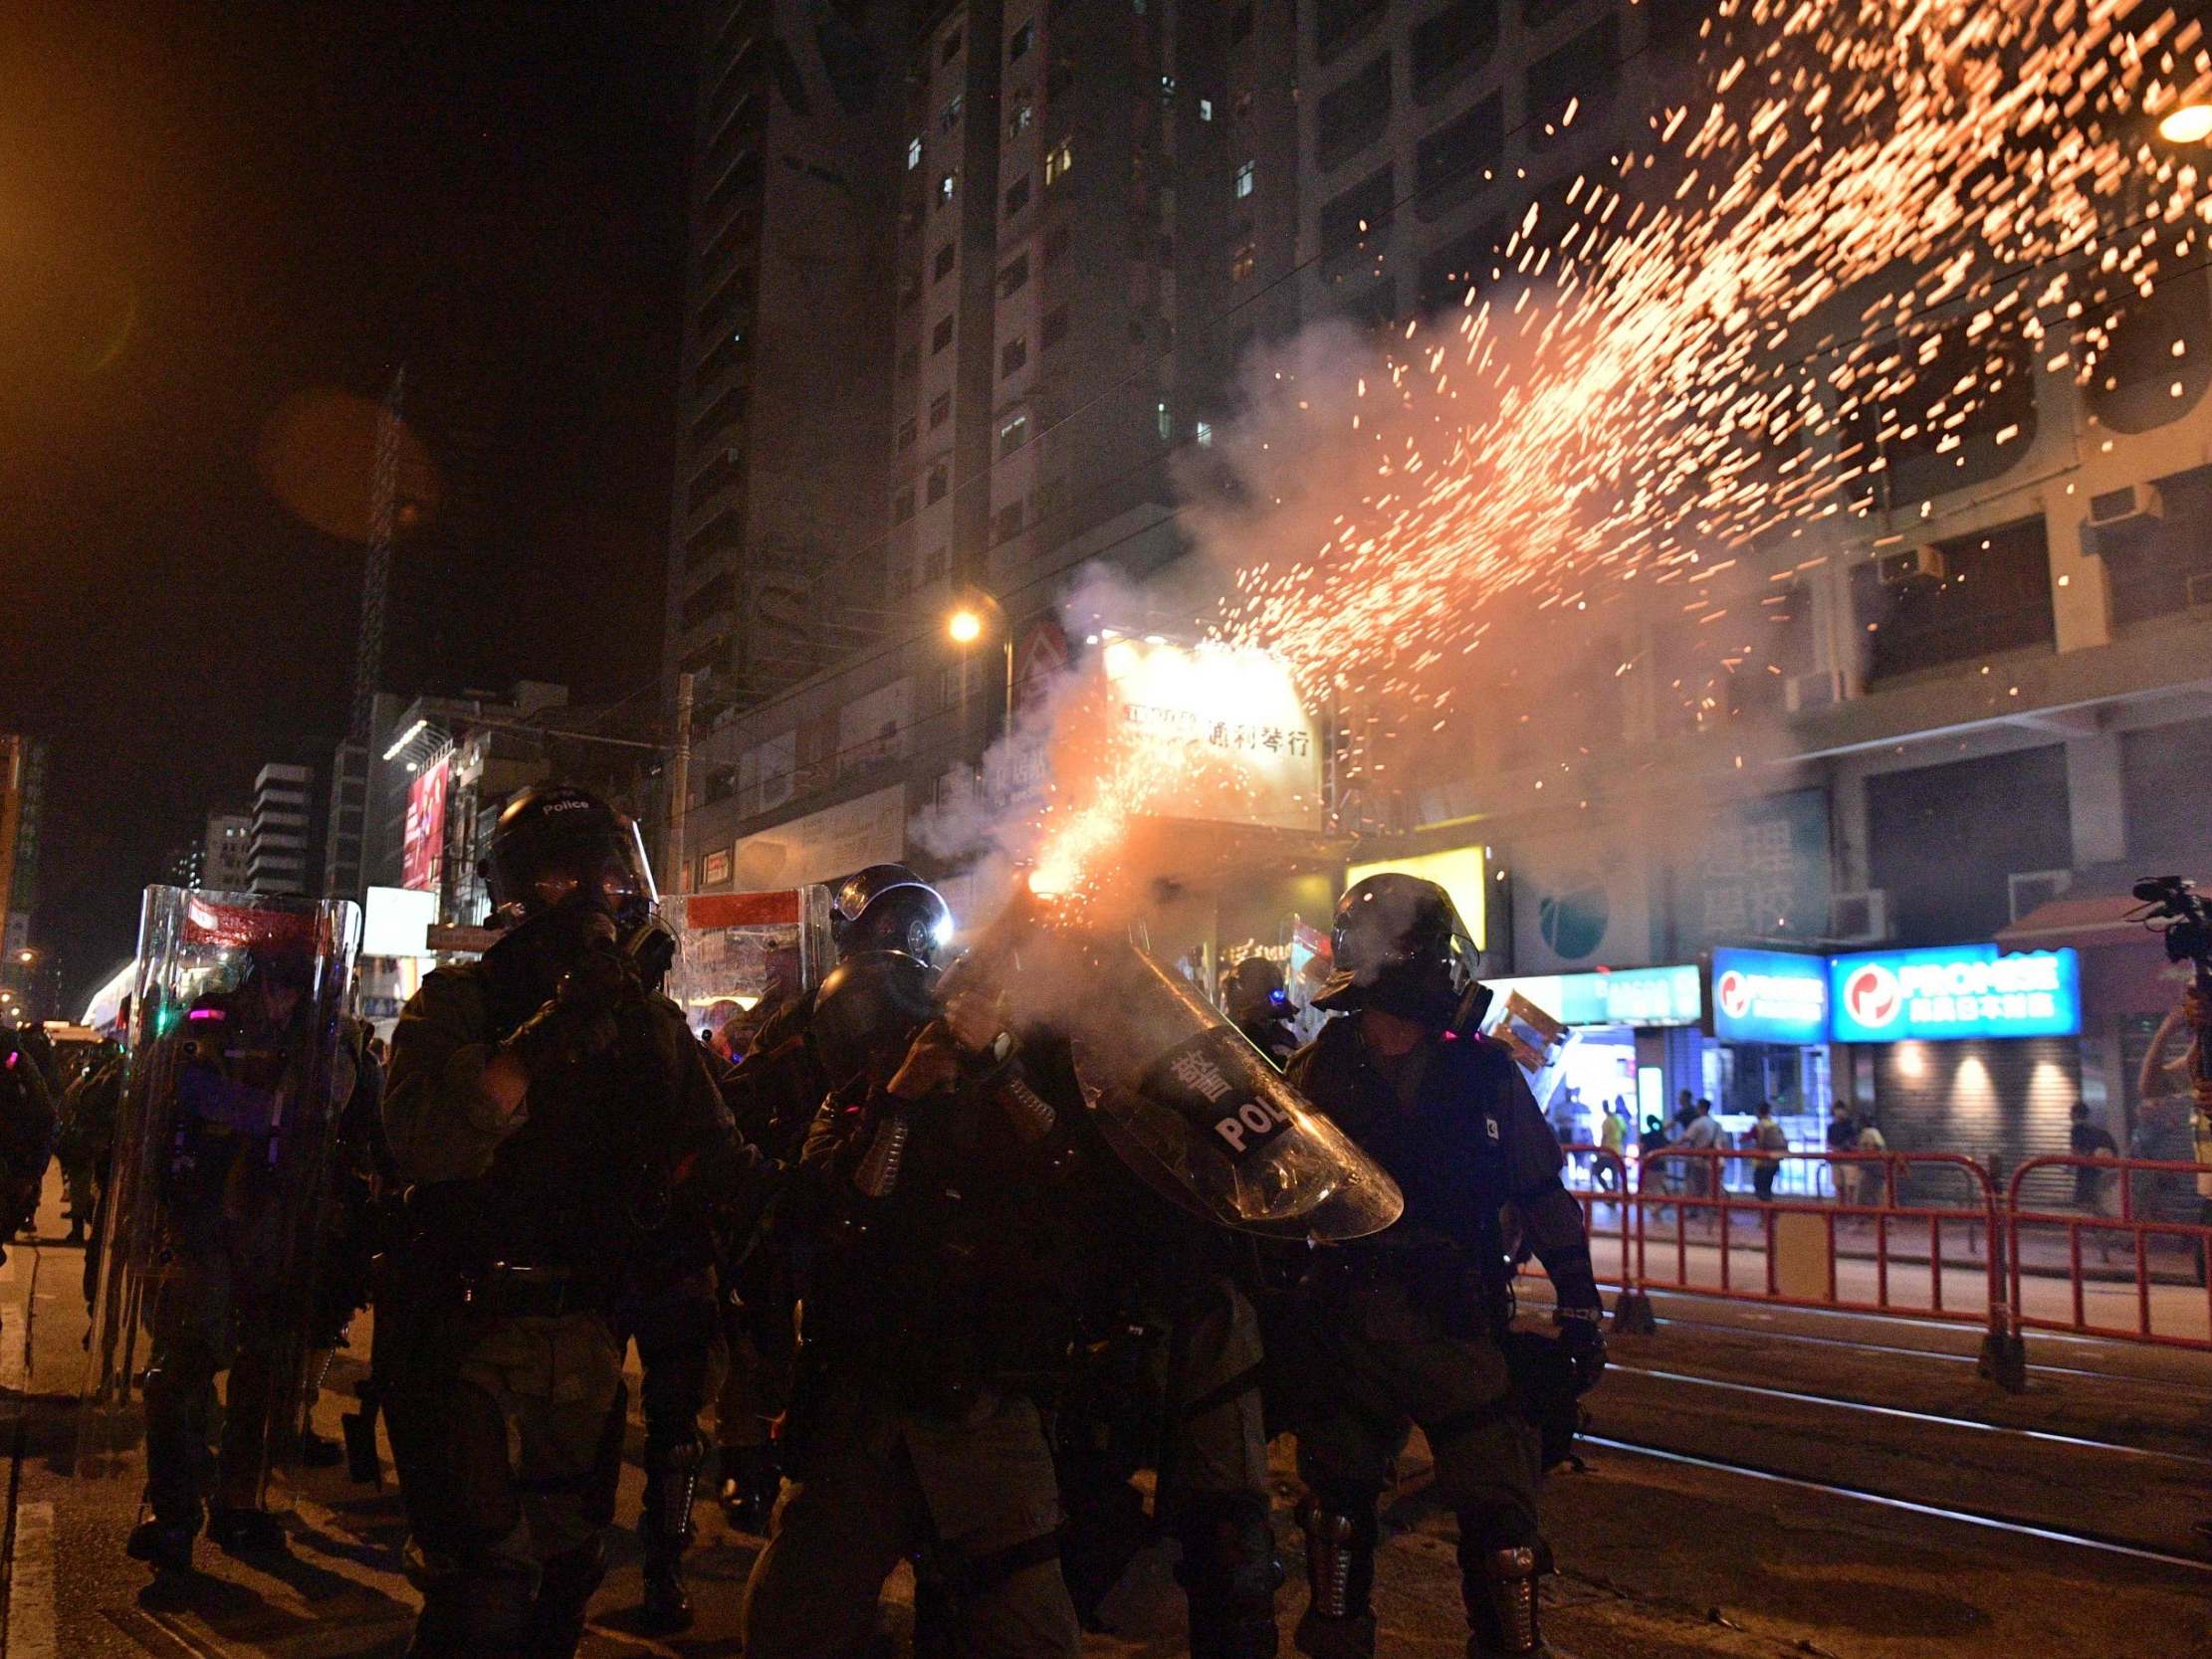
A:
(207, 210)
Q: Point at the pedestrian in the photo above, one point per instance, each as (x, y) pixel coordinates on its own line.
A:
(1873, 1173)
(554, 1121)
(27, 1133)
(1770, 1142)
(1701, 1135)
(2089, 1139)
(1411, 1325)
(1613, 1139)
(1843, 1138)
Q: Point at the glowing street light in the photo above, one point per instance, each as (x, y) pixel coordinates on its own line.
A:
(2191, 123)
(965, 626)
(967, 622)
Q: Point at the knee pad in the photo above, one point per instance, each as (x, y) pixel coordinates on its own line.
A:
(1341, 1533)
(671, 1484)
(1499, 1583)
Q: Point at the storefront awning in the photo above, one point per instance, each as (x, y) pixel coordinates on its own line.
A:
(2081, 923)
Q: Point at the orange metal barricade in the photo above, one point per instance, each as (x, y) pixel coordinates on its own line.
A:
(2171, 1300)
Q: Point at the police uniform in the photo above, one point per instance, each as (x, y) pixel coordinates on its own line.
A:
(492, 1327)
(938, 1302)
(1410, 1326)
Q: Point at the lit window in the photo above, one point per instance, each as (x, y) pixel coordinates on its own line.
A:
(944, 189)
(1013, 434)
(912, 153)
(1206, 108)
(1240, 264)
(1166, 88)
(1023, 38)
(1204, 433)
(1245, 179)
(1166, 421)
(1019, 122)
(1058, 161)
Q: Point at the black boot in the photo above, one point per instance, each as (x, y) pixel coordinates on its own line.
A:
(1229, 1573)
(241, 1531)
(671, 1483)
(165, 1543)
(750, 1482)
(555, 1627)
(666, 1606)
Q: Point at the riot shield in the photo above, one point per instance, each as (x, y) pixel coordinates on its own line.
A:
(213, 1213)
(1182, 1095)
(735, 949)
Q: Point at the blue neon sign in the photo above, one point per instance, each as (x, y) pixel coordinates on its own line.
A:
(1769, 996)
(1962, 991)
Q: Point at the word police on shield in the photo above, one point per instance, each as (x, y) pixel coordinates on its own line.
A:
(1191, 1078)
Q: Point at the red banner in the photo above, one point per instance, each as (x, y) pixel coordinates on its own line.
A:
(422, 851)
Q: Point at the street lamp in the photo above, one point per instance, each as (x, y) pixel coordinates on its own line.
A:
(976, 614)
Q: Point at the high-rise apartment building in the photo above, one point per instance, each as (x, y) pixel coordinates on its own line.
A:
(226, 853)
(282, 845)
(776, 561)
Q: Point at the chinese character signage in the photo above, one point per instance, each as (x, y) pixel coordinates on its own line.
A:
(1769, 996)
(1965, 990)
(422, 848)
(1233, 706)
(1760, 871)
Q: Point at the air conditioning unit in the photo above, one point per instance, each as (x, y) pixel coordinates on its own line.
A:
(2128, 505)
(1858, 917)
(2031, 889)
(1804, 693)
(1909, 565)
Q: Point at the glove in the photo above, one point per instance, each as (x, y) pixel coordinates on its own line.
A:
(1582, 1339)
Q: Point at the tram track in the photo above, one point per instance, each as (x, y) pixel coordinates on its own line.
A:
(2075, 1537)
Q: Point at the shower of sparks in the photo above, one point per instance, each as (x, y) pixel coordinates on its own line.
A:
(1853, 250)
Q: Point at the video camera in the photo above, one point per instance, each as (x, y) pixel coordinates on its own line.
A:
(2172, 907)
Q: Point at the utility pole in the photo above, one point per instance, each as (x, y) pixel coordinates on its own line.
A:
(679, 784)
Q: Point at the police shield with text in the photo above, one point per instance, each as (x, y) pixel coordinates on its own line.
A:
(554, 1122)
(1411, 1325)
(211, 1221)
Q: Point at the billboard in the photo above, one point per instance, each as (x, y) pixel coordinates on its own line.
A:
(1623, 997)
(1769, 996)
(1239, 712)
(422, 848)
(1953, 991)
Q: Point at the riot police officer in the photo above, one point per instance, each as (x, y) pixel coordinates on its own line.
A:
(774, 1096)
(938, 1303)
(1256, 1002)
(552, 1118)
(1411, 1325)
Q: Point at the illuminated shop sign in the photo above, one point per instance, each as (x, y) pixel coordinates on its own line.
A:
(1626, 996)
(1769, 996)
(1964, 990)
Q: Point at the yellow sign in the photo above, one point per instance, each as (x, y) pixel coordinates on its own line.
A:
(1463, 872)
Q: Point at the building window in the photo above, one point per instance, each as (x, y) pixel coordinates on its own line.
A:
(1355, 115)
(1015, 276)
(1023, 38)
(948, 118)
(1013, 434)
(1579, 76)
(1058, 161)
(909, 291)
(933, 568)
(1245, 175)
(910, 362)
(941, 335)
(1059, 78)
(1019, 122)
(1017, 195)
(1240, 262)
(912, 153)
(1055, 325)
(941, 480)
(1056, 242)
(1012, 355)
(1164, 421)
(944, 188)
(951, 48)
(940, 410)
(1203, 432)
(907, 434)
(942, 266)
(1006, 523)
(1457, 159)
(1241, 107)
(1206, 108)
(902, 505)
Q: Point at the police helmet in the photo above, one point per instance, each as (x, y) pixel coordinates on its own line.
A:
(1255, 991)
(887, 907)
(1399, 945)
(866, 1012)
(556, 844)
